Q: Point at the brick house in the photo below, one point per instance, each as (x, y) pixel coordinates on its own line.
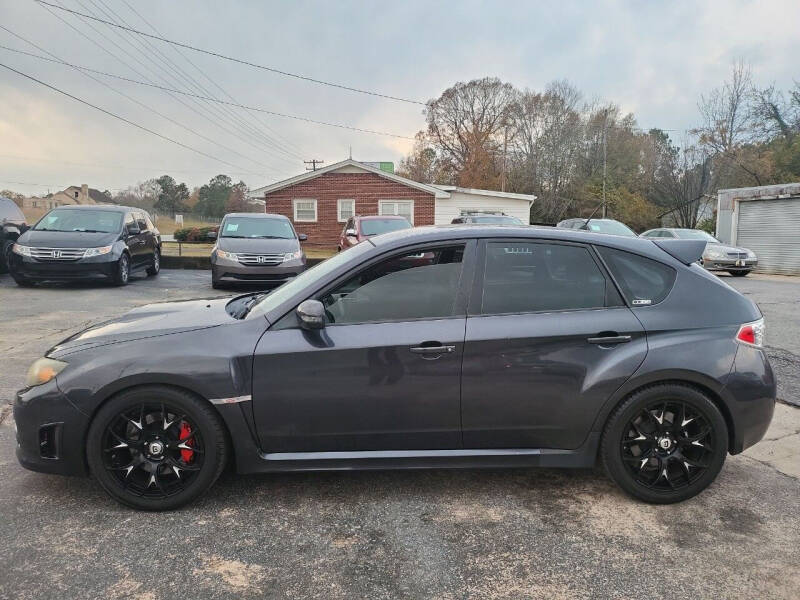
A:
(320, 202)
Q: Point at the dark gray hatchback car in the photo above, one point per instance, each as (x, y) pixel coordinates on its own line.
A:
(464, 346)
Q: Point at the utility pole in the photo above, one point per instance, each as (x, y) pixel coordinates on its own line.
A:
(605, 153)
(313, 162)
(505, 148)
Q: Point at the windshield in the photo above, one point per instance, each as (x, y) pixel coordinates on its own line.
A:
(378, 226)
(306, 279)
(255, 227)
(612, 227)
(87, 221)
(498, 219)
(695, 234)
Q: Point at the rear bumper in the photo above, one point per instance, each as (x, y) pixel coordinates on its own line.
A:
(751, 390)
(50, 431)
(87, 268)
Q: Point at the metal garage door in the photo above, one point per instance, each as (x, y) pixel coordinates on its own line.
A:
(771, 229)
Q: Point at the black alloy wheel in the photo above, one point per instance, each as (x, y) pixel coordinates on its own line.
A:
(665, 443)
(156, 448)
(156, 266)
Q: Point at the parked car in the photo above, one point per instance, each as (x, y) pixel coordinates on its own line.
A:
(357, 229)
(513, 346)
(256, 248)
(717, 256)
(609, 226)
(105, 242)
(486, 219)
(12, 225)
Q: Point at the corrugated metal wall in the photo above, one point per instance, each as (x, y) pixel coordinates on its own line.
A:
(771, 229)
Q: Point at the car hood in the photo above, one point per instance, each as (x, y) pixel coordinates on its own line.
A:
(148, 321)
(258, 245)
(66, 239)
(725, 247)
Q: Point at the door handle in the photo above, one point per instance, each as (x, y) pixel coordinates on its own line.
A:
(432, 350)
(609, 340)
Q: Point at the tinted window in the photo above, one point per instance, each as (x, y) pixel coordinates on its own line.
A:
(641, 279)
(93, 221)
(378, 226)
(255, 227)
(528, 277)
(610, 227)
(411, 286)
(496, 220)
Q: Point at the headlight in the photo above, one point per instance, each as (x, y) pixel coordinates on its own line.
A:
(21, 250)
(714, 253)
(96, 251)
(293, 256)
(43, 370)
(751, 254)
(228, 255)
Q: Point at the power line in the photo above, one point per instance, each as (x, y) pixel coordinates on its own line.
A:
(244, 106)
(236, 60)
(123, 119)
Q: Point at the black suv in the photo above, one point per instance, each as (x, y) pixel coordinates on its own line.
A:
(87, 242)
(12, 225)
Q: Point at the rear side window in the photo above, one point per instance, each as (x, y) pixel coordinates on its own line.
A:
(535, 277)
(643, 281)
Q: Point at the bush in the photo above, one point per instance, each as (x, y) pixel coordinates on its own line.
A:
(708, 225)
(194, 234)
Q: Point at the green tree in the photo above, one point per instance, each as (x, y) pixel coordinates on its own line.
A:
(172, 196)
(213, 196)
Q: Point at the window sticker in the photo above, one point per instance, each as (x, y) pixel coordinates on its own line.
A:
(232, 227)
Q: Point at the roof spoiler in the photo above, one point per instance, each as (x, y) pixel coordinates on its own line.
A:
(686, 251)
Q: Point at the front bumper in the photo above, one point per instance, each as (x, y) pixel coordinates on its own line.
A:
(97, 267)
(51, 432)
(228, 271)
(730, 264)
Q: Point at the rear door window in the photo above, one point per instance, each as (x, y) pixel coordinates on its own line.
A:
(538, 277)
(644, 281)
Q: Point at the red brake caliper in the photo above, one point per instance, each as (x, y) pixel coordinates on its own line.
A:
(186, 431)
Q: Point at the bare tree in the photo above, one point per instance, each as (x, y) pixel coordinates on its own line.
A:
(424, 164)
(466, 122)
(683, 182)
(775, 114)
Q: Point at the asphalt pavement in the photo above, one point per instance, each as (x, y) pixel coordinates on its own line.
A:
(497, 533)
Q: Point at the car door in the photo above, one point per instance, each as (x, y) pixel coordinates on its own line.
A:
(133, 238)
(147, 238)
(384, 373)
(548, 340)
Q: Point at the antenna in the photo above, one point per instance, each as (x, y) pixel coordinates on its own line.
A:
(313, 162)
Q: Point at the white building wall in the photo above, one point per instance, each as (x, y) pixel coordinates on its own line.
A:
(447, 209)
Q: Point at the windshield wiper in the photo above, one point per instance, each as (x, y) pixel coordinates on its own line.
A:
(271, 237)
(46, 229)
(90, 231)
(234, 236)
(247, 306)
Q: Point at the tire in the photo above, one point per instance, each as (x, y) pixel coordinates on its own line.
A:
(633, 444)
(5, 257)
(739, 273)
(124, 431)
(153, 270)
(123, 272)
(216, 285)
(21, 281)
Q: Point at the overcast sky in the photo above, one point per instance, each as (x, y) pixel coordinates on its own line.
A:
(652, 58)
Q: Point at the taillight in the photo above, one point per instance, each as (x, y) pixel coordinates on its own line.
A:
(751, 334)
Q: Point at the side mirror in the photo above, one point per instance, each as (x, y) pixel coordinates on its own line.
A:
(351, 233)
(212, 235)
(311, 314)
(302, 237)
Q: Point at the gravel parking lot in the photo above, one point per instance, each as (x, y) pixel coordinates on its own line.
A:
(444, 534)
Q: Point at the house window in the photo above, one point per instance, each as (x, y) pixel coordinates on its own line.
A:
(305, 211)
(403, 208)
(345, 209)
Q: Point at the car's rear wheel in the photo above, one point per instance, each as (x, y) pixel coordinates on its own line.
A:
(156, 447)
(154, 268)
(665, 443)
(739, 273)
(123, 272)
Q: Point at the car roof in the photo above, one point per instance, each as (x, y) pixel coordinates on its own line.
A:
(257, 215)
(107, 207)
(437, 233)
(370, 217)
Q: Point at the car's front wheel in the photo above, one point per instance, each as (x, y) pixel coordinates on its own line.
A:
(665, 443)
(5, 258)
(123, 271)
(739, 273)
(156, 447)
